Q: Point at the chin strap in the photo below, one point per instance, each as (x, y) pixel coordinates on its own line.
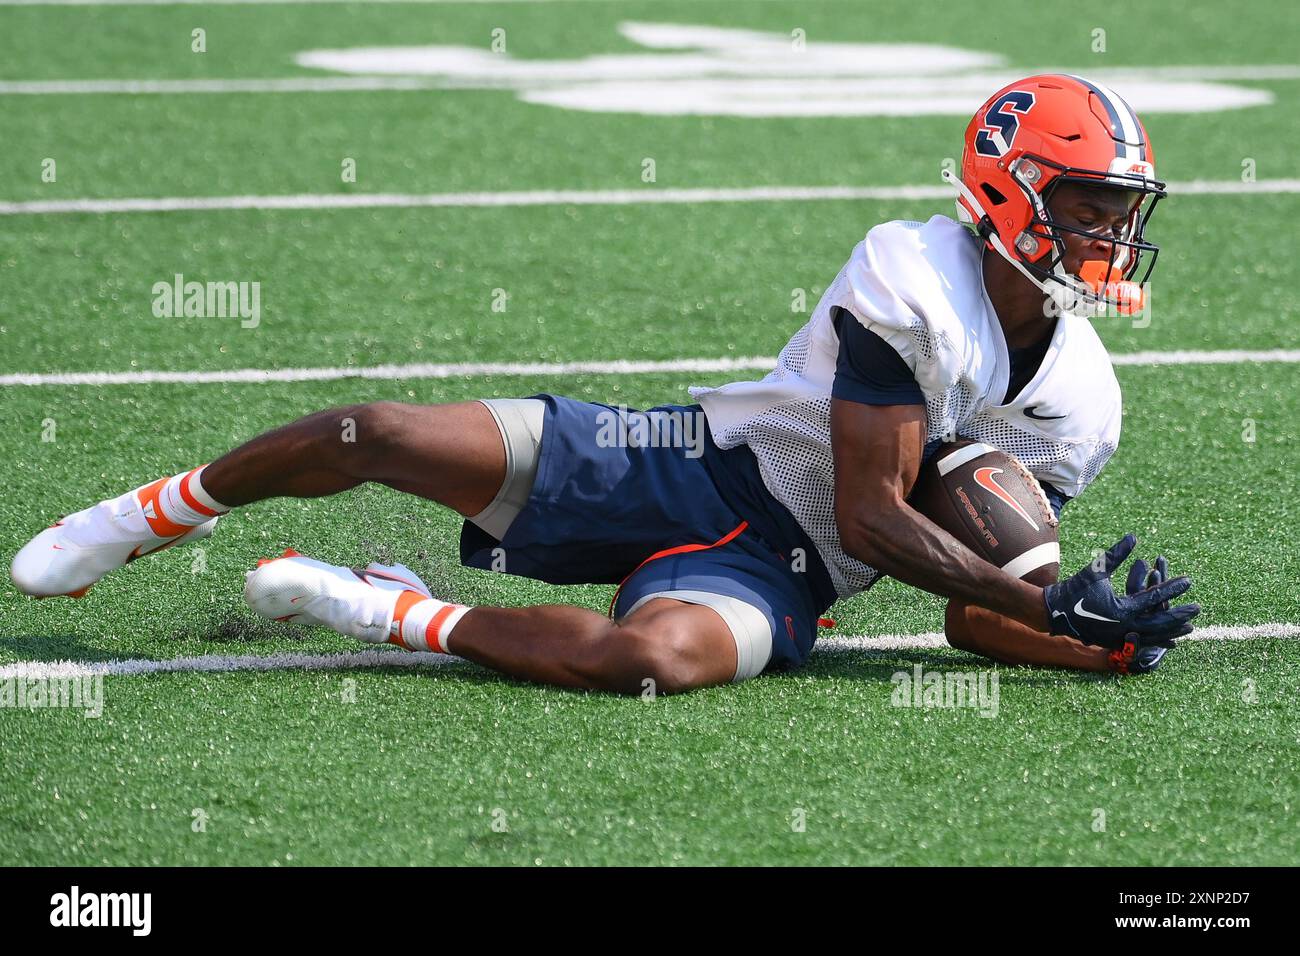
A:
(993, 238)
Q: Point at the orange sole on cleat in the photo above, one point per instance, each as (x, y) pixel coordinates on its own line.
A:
(79, 593)
(288, 553)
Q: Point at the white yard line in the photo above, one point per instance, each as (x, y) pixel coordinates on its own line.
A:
(311, 83)
(911, 642)
(513, 198)
(277, 84)
(430, 370)
(355, 660)
(606, 367)
(254, 3)
(564, 197)
(1222, 357)
(224, 663)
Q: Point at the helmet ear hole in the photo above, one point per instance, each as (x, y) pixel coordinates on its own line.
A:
(995, 197)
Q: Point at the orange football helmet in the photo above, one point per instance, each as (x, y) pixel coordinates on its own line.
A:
(1035, 134)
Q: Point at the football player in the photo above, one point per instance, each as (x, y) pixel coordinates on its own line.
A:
(767, 501)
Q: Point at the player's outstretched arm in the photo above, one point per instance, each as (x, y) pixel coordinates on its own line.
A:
(878, 451)
(970, 627)
(976, 629)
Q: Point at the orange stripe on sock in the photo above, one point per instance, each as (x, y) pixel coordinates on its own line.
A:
(431, 632)
(159, 523)
(405, 601)
(193, 502)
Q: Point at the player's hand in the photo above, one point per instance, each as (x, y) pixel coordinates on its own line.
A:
(1087, 608)
(1130, 659)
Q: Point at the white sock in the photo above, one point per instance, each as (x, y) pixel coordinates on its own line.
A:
(167, 507)
(423, 623)
(184, 500)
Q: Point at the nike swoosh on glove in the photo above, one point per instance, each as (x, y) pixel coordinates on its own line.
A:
(1087, 608)
(1130, 659)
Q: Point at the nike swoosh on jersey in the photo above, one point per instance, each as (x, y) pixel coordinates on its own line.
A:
(1030, 412)
(1078, 609)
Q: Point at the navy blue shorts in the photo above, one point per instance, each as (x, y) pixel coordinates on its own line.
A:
(601, 511)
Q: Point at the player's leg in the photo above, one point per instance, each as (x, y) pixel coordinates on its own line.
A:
(665, 645)
(685, 618)
(676, 645)
(451, 453)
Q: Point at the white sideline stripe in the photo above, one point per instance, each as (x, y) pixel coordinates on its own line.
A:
(258, 376)
(360, 660)
(563, 197)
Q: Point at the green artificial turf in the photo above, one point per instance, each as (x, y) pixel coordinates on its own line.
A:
(1192, 765)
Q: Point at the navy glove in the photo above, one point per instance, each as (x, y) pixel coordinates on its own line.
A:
(1087, 608)
(1130, 659)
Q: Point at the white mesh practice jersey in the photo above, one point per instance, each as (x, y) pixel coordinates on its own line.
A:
(920, 287)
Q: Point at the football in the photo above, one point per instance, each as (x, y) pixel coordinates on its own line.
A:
(987, 500)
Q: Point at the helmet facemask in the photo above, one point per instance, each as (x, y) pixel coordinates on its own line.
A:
(1041, 246)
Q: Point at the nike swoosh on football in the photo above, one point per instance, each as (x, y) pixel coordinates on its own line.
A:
(1078, 609)
(1029, 411)
(984, 478)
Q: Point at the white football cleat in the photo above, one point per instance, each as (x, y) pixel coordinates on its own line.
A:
(73, 553)
(360, 604)
(394, 577)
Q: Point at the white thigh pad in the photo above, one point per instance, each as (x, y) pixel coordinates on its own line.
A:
(749, 627)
